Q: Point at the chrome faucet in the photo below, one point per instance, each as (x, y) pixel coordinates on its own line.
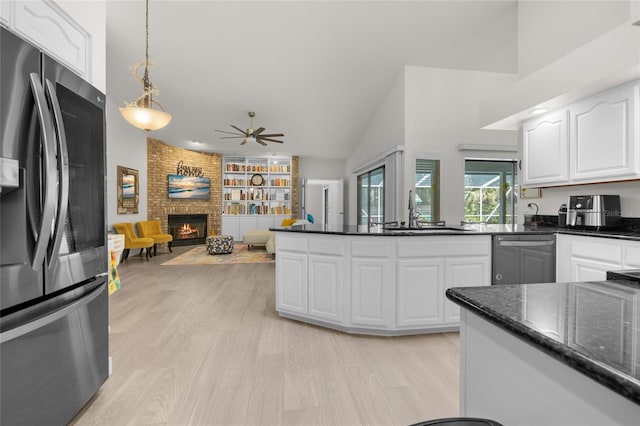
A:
(371, 223)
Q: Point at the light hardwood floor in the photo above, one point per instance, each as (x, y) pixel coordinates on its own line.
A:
(203, 345)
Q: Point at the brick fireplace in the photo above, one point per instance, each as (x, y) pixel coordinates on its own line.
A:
(187, 229)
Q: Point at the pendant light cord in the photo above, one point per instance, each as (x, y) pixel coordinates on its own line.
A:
(145, 78)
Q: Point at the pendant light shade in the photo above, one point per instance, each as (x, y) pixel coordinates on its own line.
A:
(145, 118)
(141, 112)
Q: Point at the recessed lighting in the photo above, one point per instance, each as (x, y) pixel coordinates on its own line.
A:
(538, 111)
(196, 142)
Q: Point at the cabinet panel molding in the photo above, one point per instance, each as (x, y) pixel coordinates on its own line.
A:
(49, 27)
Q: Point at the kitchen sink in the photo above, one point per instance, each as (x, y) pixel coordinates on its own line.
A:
(428, 230)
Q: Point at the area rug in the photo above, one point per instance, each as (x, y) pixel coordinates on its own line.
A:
(200, 256)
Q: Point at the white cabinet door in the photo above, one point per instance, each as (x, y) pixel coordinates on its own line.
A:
(291, 275)
(48, 26)
(231, 226)
(372, 292)
(580, 258)
(420, 292)
(464, 272)
(325, 288)
(603, 135)
(631, 255)
(545, 150)
(591, 270)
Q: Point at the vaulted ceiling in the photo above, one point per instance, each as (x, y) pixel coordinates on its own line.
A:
(313, 70)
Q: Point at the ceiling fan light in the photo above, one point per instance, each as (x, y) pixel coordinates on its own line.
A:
(250, 138)
(145, 118)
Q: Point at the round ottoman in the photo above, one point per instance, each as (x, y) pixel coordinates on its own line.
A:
(220, 244)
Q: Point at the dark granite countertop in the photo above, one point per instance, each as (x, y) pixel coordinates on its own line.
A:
(591, 327)
(459, 230)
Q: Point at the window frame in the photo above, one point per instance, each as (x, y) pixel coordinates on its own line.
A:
(504, 214)
(435, 184)
(360, 217)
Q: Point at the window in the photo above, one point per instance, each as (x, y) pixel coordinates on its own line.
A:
(488, 191)
(427, 189)
(371, 196)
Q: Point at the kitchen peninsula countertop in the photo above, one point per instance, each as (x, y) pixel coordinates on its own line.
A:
(599, 335)
(468, 229)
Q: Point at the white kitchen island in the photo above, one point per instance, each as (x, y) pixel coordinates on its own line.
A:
(383, 284)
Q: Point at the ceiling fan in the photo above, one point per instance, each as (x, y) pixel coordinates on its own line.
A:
(251, 134)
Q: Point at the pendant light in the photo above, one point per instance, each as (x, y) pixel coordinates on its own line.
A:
(140, 113)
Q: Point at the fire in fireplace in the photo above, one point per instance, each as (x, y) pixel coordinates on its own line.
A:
(188, 229)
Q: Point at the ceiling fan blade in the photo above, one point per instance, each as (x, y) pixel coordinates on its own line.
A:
(224, 131)
(269, 140)
(240, 130)
(260, 130)
(272, 135)
(244, 141)
(260, 142)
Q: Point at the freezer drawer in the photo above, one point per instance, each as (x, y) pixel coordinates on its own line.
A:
(51, 366)
(523, 259)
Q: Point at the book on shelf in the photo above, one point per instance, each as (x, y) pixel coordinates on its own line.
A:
(236, 194)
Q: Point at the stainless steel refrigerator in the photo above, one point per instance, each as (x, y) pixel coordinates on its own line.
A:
(53, 255)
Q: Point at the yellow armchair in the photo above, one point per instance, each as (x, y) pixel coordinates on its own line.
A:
(132, 241)
(153, 229)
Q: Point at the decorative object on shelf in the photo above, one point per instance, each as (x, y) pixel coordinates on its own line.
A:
(140, 113)
(127, 192)
(251, 134)
(257, 180)
(189, 187)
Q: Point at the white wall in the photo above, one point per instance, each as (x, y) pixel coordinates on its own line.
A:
(441, 112)
(384, 131)
(126, 146)
(315, 168)
(548, 30)
(629, 196)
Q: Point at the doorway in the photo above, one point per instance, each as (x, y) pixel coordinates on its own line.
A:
(323, 199)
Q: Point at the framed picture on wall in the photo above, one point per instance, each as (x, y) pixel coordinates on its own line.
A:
(128, 193)
(188, 187)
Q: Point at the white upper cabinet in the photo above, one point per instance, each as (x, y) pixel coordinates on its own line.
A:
(50, 28)
(545, 150)
(603, 140)
(593, 140)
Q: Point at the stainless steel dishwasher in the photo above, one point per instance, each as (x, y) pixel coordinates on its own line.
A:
(523, 259)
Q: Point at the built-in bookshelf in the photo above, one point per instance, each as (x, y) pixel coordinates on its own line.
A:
(256, 186)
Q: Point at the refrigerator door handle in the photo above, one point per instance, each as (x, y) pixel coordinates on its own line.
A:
(63, 171)
(27, 328)
(48, 146)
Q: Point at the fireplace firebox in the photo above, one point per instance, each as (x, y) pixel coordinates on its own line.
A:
(188, 229)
